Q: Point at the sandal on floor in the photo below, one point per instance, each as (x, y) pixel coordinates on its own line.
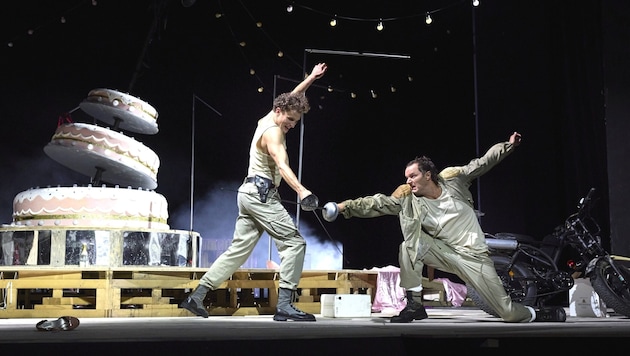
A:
(65, 323)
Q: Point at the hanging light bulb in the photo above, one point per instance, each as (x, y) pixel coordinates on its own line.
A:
(218, 15)
(333, 22)
(373, 94)
(63, 19)
(94, 3)
(259, 24)
(379, 26)
(280, 54)
(252, 71)
(475, 3)
(353, 95)
(260, 89)
(428, 20)
(242, 43)
(330, 89)
(392, 88)
(410, 78)
(290, 8)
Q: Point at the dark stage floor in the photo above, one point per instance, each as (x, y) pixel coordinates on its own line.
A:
(447, 330)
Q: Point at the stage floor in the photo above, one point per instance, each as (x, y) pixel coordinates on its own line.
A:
(446, 329)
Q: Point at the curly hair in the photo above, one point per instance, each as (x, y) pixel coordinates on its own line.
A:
(292, 102)
(425, 164)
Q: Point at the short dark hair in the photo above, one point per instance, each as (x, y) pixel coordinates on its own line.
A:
(425, 164)
(292, 102)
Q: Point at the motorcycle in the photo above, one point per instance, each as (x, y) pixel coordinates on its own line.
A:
(533, 272)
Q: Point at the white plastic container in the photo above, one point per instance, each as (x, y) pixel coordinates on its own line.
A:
(346, 305)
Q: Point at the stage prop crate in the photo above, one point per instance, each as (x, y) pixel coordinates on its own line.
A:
(156, 291)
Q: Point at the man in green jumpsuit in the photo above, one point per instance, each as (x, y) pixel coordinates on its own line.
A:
(441, 229)
(260, 208)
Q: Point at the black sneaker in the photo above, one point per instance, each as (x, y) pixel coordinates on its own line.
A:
(413, 311)
(551, 314)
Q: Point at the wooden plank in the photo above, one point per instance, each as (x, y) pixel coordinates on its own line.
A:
(69, 301)
(160, 288)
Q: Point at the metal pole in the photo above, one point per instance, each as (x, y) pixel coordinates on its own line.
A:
(301, 152)
(474, 40)
(192, 154)
(302, 125)
(192, 164)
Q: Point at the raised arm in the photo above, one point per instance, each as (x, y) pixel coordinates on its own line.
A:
(317, 72)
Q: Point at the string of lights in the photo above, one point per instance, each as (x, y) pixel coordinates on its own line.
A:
(333, 19)
(378, 21)
(292, 5)
(60, 20)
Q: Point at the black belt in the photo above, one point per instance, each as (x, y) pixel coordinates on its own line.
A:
(253, 180)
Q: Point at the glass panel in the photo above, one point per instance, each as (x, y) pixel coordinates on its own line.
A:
(17, 245)
(97, 243)
(157, 248)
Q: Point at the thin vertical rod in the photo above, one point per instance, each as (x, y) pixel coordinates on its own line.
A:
(301, 152)
(192, 164)
(474, 43)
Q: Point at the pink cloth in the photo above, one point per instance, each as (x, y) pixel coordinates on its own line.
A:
(455, 292)
(389, 297)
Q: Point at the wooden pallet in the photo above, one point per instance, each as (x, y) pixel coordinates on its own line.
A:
(147, 291)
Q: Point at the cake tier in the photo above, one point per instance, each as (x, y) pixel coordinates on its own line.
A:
(121, 110)
(94, 150)
(90, 207)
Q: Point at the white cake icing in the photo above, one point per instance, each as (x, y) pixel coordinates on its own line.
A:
(90, 207)
(122, 110)
(86, 148)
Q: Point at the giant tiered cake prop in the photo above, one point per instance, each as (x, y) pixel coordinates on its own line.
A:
(118, 215)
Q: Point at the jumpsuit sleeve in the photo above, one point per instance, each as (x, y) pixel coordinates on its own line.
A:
(479, 166)
(371, 206)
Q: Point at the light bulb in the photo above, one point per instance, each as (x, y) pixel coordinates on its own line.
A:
(379, 27)
(428, 20)
(353, 95)
(242, 44)
(330, 89)
(289, 8)
(218, 15)
(475, 3)
(259, 24)
(280, 54)
(333, 22)
(252, 71)
(392, 88)
(373, 94)
(260, 89)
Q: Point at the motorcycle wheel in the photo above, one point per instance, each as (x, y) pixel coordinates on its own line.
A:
(608, 284)
(518, 283)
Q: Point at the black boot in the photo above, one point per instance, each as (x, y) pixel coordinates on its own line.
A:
(285, 310)
(551, 314)
(194, 302)
(413, 311)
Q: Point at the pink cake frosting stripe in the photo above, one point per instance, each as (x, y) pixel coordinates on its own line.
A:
(84, 147)
(90, 206)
